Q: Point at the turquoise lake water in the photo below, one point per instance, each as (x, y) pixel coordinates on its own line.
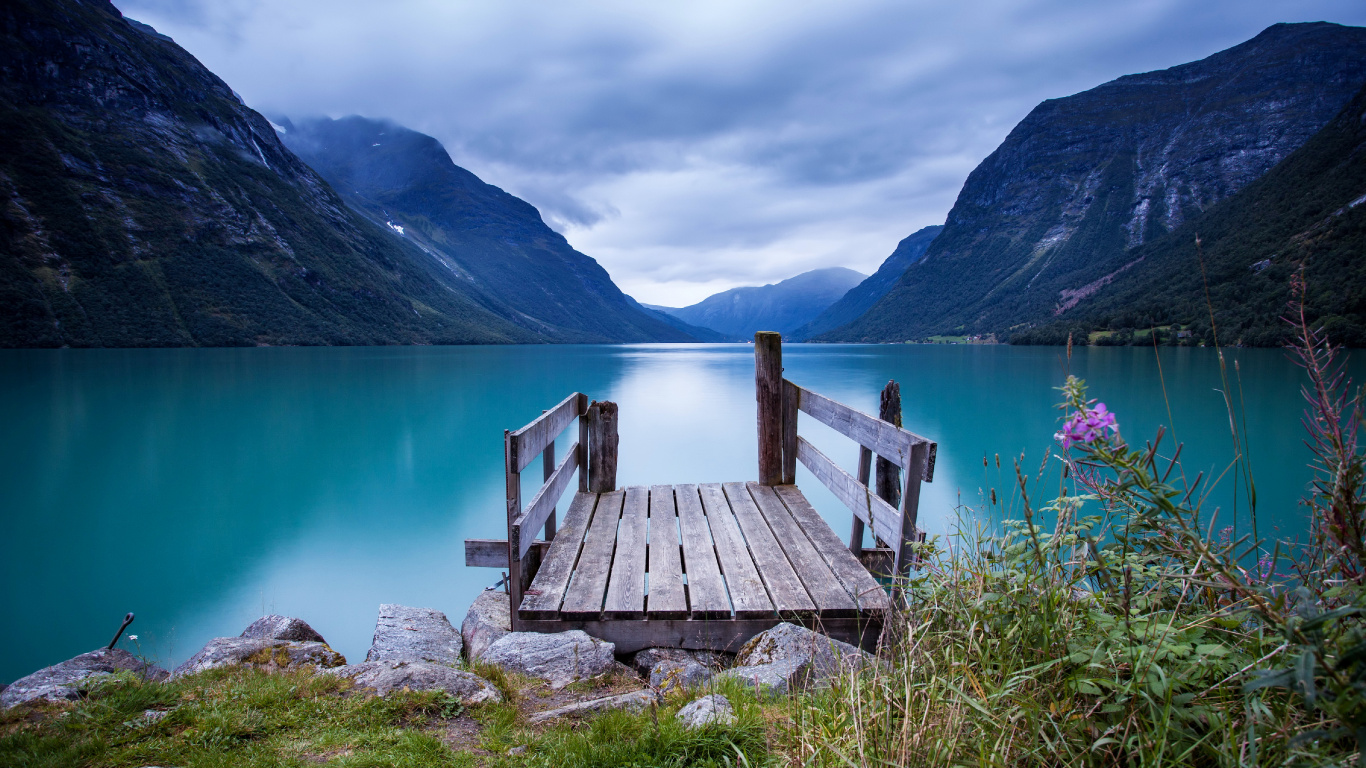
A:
(203, 488)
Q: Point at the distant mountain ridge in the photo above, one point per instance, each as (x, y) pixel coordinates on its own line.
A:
(406, 181)
(784, 306)
(1059, 209)
(142, 204)
(863, 296)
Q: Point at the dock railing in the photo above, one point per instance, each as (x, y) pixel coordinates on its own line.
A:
(781, 447)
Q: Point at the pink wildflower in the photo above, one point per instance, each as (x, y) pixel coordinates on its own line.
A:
(1087, 426)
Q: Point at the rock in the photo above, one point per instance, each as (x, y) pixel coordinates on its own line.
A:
(515, 751)
(71, 679)
(789, 657)
(486, 621)
(560, 658)
(669, 668)
(634, 700)
(770, 679)
(276, 627)
(414, 634)
(706, 711)
(261, 653)
(385, 677)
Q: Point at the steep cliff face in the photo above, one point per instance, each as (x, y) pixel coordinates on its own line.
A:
(142, 204)
(783, 307)
(1084, 180)
(406, 182)
(863, 296)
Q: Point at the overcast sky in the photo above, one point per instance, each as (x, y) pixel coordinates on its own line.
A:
(691, 147)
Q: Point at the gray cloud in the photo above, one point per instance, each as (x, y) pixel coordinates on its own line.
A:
(694, 147)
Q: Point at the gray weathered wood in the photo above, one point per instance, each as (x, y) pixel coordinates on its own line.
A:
(492, 553)
(768, 391)
(888, 473)
(880, 561)
(865, 461)
(548, 469)
(513, 485)
(748, 597)
(885, 440)
(530, 440)
(845, 567)
(583, 443)
(792, 395)
(586, 591)
(829, 596)
(630, 636)
(543, 599)
(526, 525)
(602, 446)
(666, 599)
(626, 587)
(884, 519)
(910, 507)
(785, 587)
(706, 591)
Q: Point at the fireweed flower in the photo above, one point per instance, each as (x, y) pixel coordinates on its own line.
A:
(1087, 426)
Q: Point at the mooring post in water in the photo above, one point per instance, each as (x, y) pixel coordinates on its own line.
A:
(602, 446)
(768, 390)
(888, 473)
(126, 621)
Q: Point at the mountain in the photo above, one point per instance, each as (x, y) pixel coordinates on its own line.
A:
(699, 333)
(1060, 207)
(1308, 212)
(740, 312)
(142, 204)
(405, 181)
(863, 296)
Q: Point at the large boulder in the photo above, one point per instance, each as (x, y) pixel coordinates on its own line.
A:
(708, 710)
(385, 677)
(414, 634)
(789, 657)
(560, 658)
(669, 668)
(487, 620)
(260, 653)
(276, 627)
(71, 679)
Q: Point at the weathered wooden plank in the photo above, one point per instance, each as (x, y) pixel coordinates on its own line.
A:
(888, 441)
(517, 579)
(530, 440)
(828, 594)
(626, 587)
(865, 463)
(748, 597)
(856, 580)
(526, 525)
(602, 446)
(492, 553)
(584, 597)
(630, 636)
(785, 588)
(792, 395)
(542, 600)
(666, 599)
(547, 470)
(768, 391)
(706, 590)
(583, 443)
(885, 520)
(910, 510)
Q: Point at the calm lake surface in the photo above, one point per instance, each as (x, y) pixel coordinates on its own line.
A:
(204, 488)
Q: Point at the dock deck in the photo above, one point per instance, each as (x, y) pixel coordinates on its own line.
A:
(709, 565)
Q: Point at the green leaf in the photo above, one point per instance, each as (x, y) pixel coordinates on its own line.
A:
(1322, 618)
(1212, 649)
(1283, 678)
(1304, 676)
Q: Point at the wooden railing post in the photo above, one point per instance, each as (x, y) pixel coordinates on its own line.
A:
(582, 410)
(548, 469)
(792, 398)
(602, 447)
(865, 463)
(768, 390)
(910, 508)
(514, 508)
(889, 474)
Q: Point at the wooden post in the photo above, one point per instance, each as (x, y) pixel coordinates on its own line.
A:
(602, 447)
(865, 463)
(583, 442)
(548, 469)
(910, 508)
(768, 390)
(514, 508)
(792, 397)
(889, 474)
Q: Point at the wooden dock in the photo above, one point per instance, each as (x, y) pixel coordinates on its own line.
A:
(709, 565)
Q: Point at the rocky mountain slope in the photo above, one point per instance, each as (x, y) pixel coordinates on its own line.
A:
(142, 204)
(863, 296)
(1057, 211)
(783, 307)
(406, 182)
(1309, 212)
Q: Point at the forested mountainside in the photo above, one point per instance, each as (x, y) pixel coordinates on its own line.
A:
(405, 181)
(1306, 213)
(863, 296)
(142, 204)
(784, 306)
(1058, 210)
